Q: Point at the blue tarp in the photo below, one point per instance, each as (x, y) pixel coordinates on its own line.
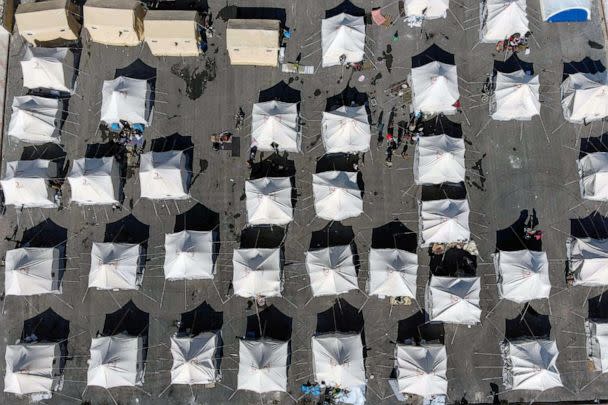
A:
(570, 15)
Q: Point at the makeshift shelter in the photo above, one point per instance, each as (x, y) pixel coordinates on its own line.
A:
(32, 368)
(173, 32)
(342, 39)
(126, 99)
(439, 159)
(50, 22)
(444, 221)
(116, 266)
(262, 365)
(422, 370)
(48, 69)
(588, 261)
(116, 361)
(253, 42)
(331, 270)
(164, 176)
(530, 364)
(593, 175)
(556, 11)
(427, 9)
(32, 271)
(435, 88)
(338, 360)
(95, 181)
(346, 130)
(522, 275)
(585, 97)
(269, 201)
(502, 18)
(516, 96)
(190, 255)
(195, 359)
(257, 272)
(115, 22)
(25, 183)
(276, 122)
(597, 343)
(337, 195)
(392, 273)
(453, 300)
(35, 120)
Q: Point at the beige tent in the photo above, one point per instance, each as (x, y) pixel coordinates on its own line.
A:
(48, 23)
(253, 42)
(172, 32)
(115, 22)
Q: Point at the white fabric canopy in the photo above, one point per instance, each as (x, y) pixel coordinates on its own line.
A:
(444, 221)
(269, 201)
(34, 119)
(585, 97)
(45, 68)
(276, 122)
(31, 368)
(562, 10)
(331, 270)
(95, 181)
(522, 275)
(593, 174)
(422, 370)
(439, 159)
(194, 359)
(338, 360)
(190, 255)
(32, 271)
(342, 34)
(392, 273)
(516, 97)
(427, 9)
(116, 361)
(530, 365)
(435, 88)
(502, 18)
(597, 344)
(257, 272)
(454, 300)
(163, 176)
(337, 195)
(25, 183)
(127, 99)
(115, 266)
(346, 130)
(262, 366)
(588, 261)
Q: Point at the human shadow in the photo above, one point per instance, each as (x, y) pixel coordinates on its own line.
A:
(271, 323)
(513, 238)
(201, 319)
(345, 7)
(280, 92)
(129, 320)
(433, 53)
(594, 225)
(586, 65)
(48, 326)
(416, 329)
(513, 64)
(394, 235)
(450, 191)
(453, 262)
(529, 323)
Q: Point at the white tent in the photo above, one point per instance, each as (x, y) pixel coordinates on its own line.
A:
(530, 365)
(25, 183)
(342, 36)
(164, 176)
(597, 344)
(392, 273)
(427, 9)
(35, 119)
(454, 300)
(439, 159)
(269, 201)
(556, 11)
(46, 68)
(95, 181)
(257, 272)
(116, 361)
(516, 97)
(435, 88)
(31, 368)
(338, 360)
(331, 270)
(276, 122)
(593, 174)
(346, 130)
(422, 370)
(337, 195)
(195, 359)
(522, 275)
(588, 261)
(444, 221)
(115, 266)
(262, 366)
(190, 255)
(502, 18)
(585, 97)
(32, 271)
(127, 99)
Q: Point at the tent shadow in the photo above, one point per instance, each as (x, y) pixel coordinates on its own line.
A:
(115, 150)
(175, 142)
(131, 321)
(48, 326)
(598, 307)
(48, 151)
(280, 92)
(441, 125)
(197, 218)
(594, 225)
(394, 235)
(345, 7)
(586, 65)
(198, 5)
(333, 234)
(512, 238)
(201, 319)
(271, 323)
(593, 144)
(129, 230)
(275, 165)
(513, 64)
(48, 234)
(453, 263)
(528, 324)
(452, 191)
(433, 54)
(138, 69)
(262, 237)
(416, 329)
(349, 97)
(342, 162)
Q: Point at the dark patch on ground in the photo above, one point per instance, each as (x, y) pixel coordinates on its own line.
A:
(196, 80)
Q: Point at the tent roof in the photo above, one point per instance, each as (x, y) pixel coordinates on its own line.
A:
(47, 21)
(262, 365)
(342, 35)
(47, 68)
(163, 176)
(257, 272)
(95, 181)
(32, 271)
(566, 10)
(585, 97)
(114, 361)
(34, 119)
(338, 360)
(503, 18)
(593, 173)
(439, 159)
(429, 9)
(392, 273)
(454, 299)
(31, 368)
(125, 98)
(523, 275)
(516, 96)
(346, 130)
(25, 183)
(194, 359)
(253, 41)
(115, 266)
(588, 261)
(172, 32)
(444, 221)
(597, 343)
(275, 121)
(190, 255)
(337, 195)
(269, 201)
(435, 88)
(422, 370)
(530, 365)
(331, 270)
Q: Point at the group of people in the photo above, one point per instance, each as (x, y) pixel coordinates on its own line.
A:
(130, 136)
(407, 135)
(515, 43)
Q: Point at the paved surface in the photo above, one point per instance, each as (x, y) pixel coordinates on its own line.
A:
(527, 167)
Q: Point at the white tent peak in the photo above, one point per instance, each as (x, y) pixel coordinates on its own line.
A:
(35, 119)
(346, 130)
(128, 99)
(439, 159)
(46, 68)
(195, 359)
(164, 176)
(596, 332)
(269, 201)
(25, 183)
(422, 370)
(338, 360)
(32, 271)
(427, 9)
(331, 270)
(190, 255)
(435, 88)
(262, 365)
(95, 181)
(593, 174)
(502, 18)
(116, 266)
(522, 275)
(454, 299)
(342, 35)
(116, 361)
(444, 221)
(275, 122)
(588, 261)
(337, 195)
(530, 364)
(32, 368)
(257, 272)
(585, 97)
(392, 272)
(516, 96)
